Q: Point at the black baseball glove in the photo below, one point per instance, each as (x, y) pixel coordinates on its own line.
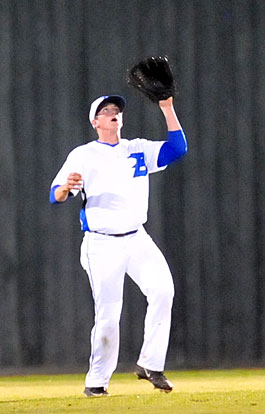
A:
(153, 77)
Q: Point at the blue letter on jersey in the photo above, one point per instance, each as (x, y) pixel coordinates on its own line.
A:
(140, 167)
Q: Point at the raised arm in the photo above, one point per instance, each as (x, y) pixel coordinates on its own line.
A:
(176, 145)
(171, 118)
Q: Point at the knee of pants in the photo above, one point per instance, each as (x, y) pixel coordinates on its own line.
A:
(108, 317)
(162, 295)
(109, 325)
(109, 313)
(107, 332)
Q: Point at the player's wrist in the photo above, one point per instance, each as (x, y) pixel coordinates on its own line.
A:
(167, 110)
(166, 103)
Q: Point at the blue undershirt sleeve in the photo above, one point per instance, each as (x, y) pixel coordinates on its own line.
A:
(52, 196)
(173, 149)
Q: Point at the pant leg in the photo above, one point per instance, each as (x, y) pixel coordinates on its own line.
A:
(149, 269)
(104, 260)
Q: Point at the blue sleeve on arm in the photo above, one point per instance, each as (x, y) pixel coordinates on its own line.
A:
(52, 196)
(173, 149)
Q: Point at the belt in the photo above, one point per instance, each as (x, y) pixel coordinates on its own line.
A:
(116, 235)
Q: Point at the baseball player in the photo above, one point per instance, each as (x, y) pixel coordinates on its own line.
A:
(112, 176)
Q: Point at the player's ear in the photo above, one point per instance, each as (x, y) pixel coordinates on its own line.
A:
(95, 123)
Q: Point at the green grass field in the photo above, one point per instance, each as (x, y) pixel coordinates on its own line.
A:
(207, 392)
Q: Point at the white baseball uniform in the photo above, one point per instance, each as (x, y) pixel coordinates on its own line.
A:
(115, 202)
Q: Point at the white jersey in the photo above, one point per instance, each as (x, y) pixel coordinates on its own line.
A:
(115, 182)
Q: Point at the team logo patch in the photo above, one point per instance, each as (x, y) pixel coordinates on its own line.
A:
(140, 166)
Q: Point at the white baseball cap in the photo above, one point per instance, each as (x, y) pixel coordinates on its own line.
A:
(102, 100)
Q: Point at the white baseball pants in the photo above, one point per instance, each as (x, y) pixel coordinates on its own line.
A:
(106, 259)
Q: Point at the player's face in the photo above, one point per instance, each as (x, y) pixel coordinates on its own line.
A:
(109, 118)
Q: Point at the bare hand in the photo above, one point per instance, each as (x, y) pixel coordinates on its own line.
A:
(74, 181)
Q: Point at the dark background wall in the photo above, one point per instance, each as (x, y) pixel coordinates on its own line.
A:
(206, 213)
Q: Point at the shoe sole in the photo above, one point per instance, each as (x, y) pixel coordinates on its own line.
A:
(96, 395)
(162, 390)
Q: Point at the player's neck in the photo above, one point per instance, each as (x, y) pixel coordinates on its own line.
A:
(109, 138)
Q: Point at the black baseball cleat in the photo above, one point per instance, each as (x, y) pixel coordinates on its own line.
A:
(156, 378)
(95, 391)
